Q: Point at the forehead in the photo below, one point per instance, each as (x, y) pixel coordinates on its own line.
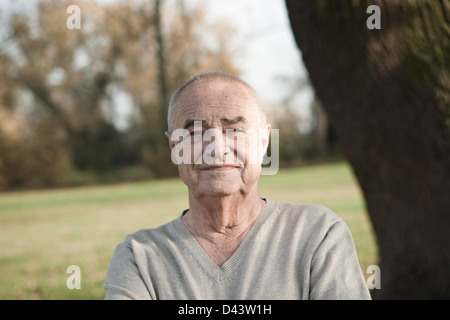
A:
(216, 99)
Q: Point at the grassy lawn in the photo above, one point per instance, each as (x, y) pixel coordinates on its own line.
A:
(44, 232)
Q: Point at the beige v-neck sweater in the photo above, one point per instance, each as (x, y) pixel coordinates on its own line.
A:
(293, 251)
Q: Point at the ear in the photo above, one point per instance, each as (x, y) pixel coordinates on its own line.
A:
(265, 138)
(171, 143)
(265, 134)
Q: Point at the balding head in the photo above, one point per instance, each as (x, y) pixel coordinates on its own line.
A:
(202, 81)
(217, 129)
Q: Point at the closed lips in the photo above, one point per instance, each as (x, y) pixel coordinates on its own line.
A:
(218, 167)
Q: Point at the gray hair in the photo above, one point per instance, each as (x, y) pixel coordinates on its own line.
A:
(209, 76)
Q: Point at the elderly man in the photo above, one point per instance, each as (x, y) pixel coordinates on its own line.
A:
(231, 243)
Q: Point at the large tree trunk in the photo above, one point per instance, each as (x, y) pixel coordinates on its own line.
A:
(387, 93)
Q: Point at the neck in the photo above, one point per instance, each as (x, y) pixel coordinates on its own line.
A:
(222, 215)
(221, 224)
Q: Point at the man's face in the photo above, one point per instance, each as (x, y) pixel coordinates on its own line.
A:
(227, 140)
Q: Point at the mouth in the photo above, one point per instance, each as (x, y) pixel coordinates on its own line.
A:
(218, 167)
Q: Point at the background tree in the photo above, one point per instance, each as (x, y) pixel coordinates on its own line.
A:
(67, 86)
(387, 95)
(306, 136)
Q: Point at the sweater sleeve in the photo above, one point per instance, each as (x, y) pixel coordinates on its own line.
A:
(124, 280)
(335, 270)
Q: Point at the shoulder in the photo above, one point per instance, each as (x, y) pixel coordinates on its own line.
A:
(309, 213)
(303, 221)
(151, 237)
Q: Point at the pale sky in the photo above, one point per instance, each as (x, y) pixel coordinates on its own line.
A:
(267, 48)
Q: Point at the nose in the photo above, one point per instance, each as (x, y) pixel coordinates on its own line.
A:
(217, 148)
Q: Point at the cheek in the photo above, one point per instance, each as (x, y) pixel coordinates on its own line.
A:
(250, 149)
(243, 151)
(189, 151)
(187, 174)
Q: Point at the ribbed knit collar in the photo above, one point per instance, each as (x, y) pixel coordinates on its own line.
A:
(193, 248)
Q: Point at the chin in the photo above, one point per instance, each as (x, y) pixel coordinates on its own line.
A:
(218, 190)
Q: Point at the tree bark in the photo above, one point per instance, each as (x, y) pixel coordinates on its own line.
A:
(162, 74)
(386, 92)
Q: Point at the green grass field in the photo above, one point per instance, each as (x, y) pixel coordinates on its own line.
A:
(44, 232)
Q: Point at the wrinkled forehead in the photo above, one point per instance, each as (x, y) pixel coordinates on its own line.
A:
(217, 98)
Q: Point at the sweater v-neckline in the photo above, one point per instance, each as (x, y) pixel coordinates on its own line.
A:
(232, 263)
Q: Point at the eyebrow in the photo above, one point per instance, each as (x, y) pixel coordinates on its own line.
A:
(190, 122)
(233, 120)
